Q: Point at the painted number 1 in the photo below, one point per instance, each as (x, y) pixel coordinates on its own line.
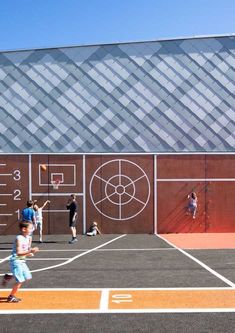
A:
(122, 298)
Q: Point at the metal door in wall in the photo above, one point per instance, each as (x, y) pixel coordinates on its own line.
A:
(119, 193)
(178, 176)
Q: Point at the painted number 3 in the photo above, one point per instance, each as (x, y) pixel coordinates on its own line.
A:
(17, 175)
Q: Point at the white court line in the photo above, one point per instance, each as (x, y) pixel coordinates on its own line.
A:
(212, 271)
(105, 293)
(77, 256)
(46, 259)
(194, 310)
(105, 250)
(212, 310)
(2, 260)
(104, 300)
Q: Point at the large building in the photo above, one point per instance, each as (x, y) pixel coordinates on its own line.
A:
(132, 128)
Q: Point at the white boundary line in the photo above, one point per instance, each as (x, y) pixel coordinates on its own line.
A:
(104, 302)
(212, 271)
(103, 250)
(70, 259)
(4, 259)
(212, 310)
(77, 256)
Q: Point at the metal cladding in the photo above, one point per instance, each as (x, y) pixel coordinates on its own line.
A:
(139, 97)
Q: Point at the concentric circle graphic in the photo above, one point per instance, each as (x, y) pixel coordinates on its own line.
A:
(119, 189)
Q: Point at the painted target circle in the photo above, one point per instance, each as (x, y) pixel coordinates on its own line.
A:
(119, 189)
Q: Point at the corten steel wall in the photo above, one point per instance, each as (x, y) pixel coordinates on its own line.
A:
(120, 192)
(212, 177)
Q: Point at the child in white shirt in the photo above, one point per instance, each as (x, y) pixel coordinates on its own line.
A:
(39, 218)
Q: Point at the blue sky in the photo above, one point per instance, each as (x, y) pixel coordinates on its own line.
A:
(51, 23)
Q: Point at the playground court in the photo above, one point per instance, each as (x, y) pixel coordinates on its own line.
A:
(123, 283)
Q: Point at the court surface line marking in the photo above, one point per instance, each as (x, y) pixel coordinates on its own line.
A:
(104, 250)
(4, 259)
(77, 256)
(212, 310)
(212, 271)
(122, 289)
(69, 259)
(104, 300)
(106, 296)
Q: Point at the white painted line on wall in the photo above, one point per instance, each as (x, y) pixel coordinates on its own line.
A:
(56, 194)
(196, 180)
(84, 193)
(30, 177)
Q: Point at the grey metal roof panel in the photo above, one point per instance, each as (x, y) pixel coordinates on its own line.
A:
(175, 95)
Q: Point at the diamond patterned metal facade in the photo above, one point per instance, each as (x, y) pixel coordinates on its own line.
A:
(141, 97)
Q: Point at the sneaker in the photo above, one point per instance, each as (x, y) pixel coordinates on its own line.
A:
(6, 279)
(73, 241)
(13, 299)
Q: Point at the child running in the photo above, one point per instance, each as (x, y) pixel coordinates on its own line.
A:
(93, 230)
(21, 250)
(39, 218)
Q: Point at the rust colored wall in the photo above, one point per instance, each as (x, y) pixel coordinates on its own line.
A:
(119, 192)
(176, 178)
(212, 177)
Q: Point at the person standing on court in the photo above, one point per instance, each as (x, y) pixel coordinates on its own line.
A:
(73, 208)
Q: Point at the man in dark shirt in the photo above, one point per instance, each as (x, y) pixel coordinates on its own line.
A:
(72, 206)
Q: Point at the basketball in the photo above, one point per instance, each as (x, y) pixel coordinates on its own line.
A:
(43, 167)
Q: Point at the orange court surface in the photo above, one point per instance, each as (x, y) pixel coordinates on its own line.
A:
(202, 240)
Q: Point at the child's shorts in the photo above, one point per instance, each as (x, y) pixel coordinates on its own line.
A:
(20, 270)
(92, 233)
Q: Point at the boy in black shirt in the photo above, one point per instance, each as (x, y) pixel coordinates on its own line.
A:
(72, 206)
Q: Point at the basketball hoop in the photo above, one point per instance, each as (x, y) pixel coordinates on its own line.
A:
(55, 184)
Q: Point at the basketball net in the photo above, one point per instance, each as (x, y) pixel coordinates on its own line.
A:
(55, 184)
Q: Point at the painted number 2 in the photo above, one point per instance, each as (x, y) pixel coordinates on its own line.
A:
(122, 298)
(17, 194)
